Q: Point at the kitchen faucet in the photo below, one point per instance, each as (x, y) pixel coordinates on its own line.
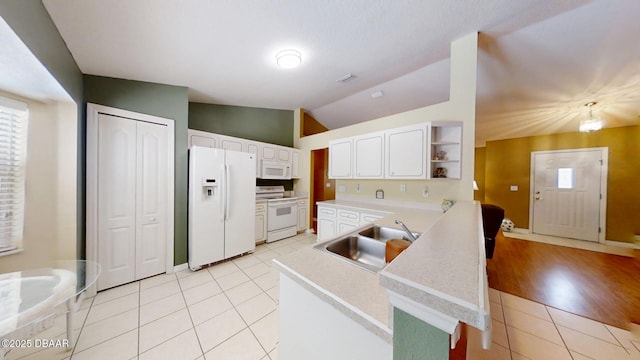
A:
(409, 233)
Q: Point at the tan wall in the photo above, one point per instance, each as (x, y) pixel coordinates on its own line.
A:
(508, 163)
(479, 173)
(50, 194)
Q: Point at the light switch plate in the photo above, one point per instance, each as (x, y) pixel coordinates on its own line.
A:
(513, 188)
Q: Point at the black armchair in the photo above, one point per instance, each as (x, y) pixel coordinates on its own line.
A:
(492, 216)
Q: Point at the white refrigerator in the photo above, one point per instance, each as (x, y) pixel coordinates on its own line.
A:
(222, 191)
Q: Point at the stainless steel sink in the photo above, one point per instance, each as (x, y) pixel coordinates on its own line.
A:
(365, 249)
(384, 233)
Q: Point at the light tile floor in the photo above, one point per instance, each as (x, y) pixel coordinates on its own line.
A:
(230, 311)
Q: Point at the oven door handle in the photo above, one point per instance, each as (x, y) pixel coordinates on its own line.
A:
(280, 206)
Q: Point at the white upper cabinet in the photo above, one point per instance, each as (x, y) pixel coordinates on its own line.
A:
(406, 152)
(268, 152)
(340, 158)
(231, 143)
(427, 150)
(205, 139)
(263, 151)
(252, 147)
(369, 155)
(295, 163)
(284, 154)
(445, 152)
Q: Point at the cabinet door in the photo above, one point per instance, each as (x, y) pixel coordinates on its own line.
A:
(284, 154)
(202, 141)
(260, 227)
(268, 152)
(340, 158)
(369, 156)
(231, 143)
(295, 163)
(253, 148)
(302, 217)
(406, 155)
(326, 229)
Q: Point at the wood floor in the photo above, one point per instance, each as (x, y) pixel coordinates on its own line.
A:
(599, 286)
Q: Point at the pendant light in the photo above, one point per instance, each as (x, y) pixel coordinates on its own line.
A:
(591, 124)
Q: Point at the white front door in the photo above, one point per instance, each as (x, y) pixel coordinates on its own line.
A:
(132, 199)
(567, 192)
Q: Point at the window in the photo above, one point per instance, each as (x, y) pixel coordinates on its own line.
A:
(13, 149)
(565, 178)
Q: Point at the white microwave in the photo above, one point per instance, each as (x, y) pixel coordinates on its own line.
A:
(276, 170)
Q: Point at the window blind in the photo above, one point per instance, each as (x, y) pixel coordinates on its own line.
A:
(13, 148)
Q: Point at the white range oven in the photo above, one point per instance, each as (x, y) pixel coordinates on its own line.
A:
(282, 213)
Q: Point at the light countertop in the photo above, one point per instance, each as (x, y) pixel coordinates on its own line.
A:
(440, 270)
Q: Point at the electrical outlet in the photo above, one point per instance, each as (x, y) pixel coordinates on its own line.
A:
(342, 188)
(513, 187)
(403, 187)
(425, 191)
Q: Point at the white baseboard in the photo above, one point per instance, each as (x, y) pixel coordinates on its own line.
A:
(623, 244)
(180, 267)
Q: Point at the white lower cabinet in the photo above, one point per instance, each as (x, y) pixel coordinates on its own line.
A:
(326, 223)
(261, 222)
(347, 221)
(303, 204)
(334, 220)
(368, 217)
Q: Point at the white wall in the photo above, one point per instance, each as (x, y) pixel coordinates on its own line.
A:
(50, 194)
(460, 107)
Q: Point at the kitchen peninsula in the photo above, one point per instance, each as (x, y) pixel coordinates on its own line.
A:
(330, 308)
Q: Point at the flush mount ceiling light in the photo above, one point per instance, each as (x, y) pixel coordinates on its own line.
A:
(591, 124)
(288, 59)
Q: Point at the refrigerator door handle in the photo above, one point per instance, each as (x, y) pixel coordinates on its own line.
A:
(227, 185)
(223, 169)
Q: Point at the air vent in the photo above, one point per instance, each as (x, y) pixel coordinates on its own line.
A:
(345, 78)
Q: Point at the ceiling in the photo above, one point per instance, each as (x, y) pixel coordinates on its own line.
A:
(539, 61)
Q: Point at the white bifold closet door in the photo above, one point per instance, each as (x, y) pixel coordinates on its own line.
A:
(132, 199)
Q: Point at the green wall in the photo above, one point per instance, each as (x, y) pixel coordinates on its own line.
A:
(31, 22)
(266, 125)
(160, 100)
(413, 339)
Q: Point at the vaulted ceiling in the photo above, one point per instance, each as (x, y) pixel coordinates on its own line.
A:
(539, 61)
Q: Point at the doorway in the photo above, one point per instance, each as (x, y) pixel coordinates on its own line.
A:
(322, 188)
(568, 193)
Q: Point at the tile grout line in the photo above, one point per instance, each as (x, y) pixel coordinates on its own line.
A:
(617, 340)
(566, 346)
(84, 323)
(505, 325)
(248, 326)
(139, 311)
(193, 325)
